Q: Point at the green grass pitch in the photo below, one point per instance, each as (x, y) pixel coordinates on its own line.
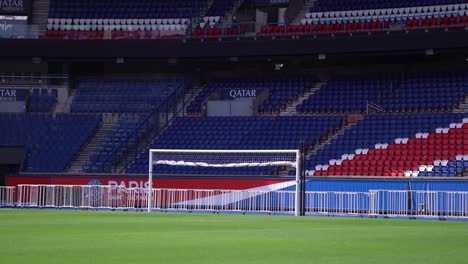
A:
(50, 236)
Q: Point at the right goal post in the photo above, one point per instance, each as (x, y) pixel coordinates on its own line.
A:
(247, 162)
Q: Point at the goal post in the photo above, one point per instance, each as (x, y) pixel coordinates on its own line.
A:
(257, 161)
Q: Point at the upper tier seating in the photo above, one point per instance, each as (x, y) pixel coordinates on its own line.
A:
(427, 91)
(216, 32)
(347, 94)
(138, 9)
(280, 91)
(51, 142)
(340, 5)
(405, 15)
(391, 145)
(237, 133)
(42, 101)
(114, 145)
(135, 19)
(122, 95)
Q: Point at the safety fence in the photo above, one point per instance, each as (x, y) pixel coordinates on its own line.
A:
(7, 196)
(392, 203)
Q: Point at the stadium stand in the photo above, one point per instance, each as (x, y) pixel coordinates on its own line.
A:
(211, 25)
(124, 19)
(42, 101)
(281, 91)
(51, 141)
(237, 133)
(123, 96)
(368, 16)
(344, 5)
(427, 92)
(348, 94)
(113, 146)
(395, 145)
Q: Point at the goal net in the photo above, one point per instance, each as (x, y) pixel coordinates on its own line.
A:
(225, 163)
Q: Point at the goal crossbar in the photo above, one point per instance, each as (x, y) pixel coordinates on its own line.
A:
(293, 160)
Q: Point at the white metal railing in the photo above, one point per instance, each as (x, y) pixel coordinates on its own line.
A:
(337, 202)
(446, 204)
(7, 196)
(419, 203)
(224, 200)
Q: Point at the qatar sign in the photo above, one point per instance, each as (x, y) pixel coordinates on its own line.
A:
(240, 94)
(15, 7)
(12, 95)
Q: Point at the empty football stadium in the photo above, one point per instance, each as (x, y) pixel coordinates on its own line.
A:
(233, 131)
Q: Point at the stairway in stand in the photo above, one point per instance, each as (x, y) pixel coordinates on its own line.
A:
(462, 106)
(305, 9)
(108, 122)
(39, 16)
(181, 111)
(351, 121)
(291, 109)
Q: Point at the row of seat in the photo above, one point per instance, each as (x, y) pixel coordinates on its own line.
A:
(380, 129)
(344, 5)
(420, 10)
(276, 88)
(394, 159)
(125, 9)
(42, 101)
(52, 141)
(116, 22)
(118, 27)
(215, 32)
(123, 96)
(238, 133)
(115, 144)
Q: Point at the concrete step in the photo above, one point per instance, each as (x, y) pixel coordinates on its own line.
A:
(65, 107)
(462, 107)
(305, 9)
(189, 97)
(40, 13)
(291, 109)
(90, 148)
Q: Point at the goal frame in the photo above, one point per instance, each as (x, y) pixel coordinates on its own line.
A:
(297, 164)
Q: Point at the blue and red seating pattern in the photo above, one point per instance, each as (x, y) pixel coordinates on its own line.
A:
(338, 5)
(390, 145)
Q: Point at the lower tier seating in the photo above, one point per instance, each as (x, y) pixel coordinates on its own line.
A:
(51, 141)
(237, 133)
(397, 145)
(112, 148)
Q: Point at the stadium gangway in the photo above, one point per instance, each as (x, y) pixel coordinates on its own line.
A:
(7, 196)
